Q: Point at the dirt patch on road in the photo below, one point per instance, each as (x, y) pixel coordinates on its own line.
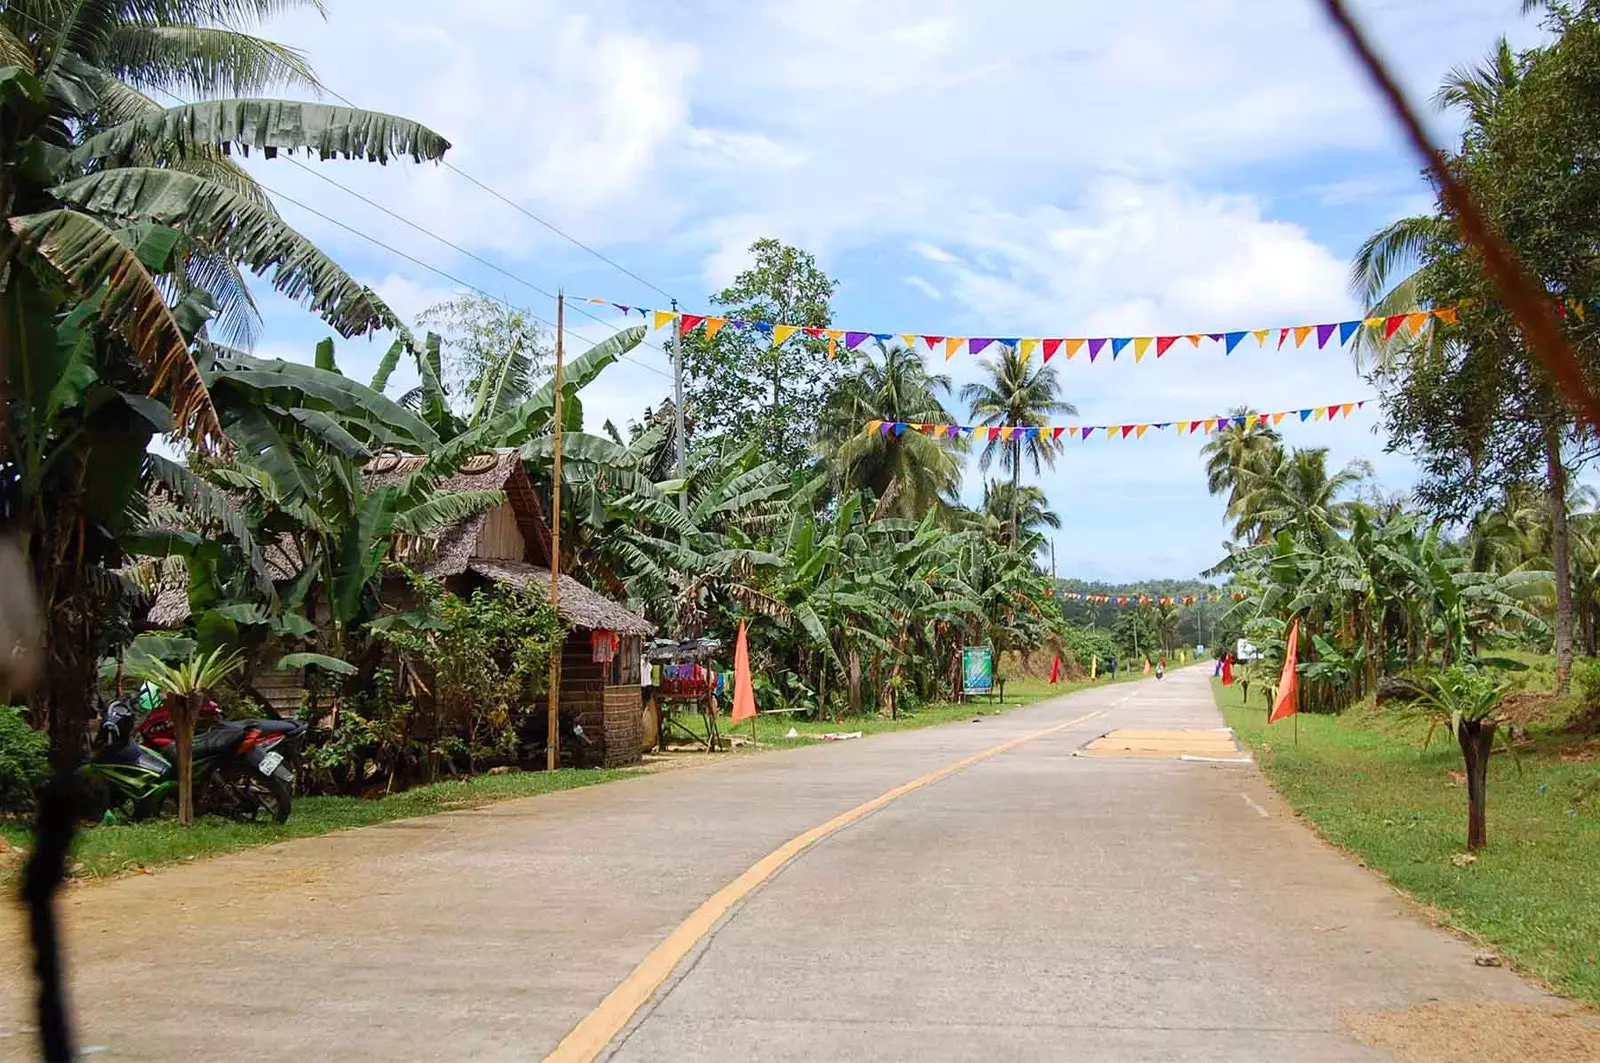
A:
(1480, 1033)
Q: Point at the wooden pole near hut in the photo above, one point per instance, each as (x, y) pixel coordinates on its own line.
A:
(552, 755)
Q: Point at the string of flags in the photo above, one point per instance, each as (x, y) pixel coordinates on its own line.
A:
(1052, 346)
(1145, 599)
(1206, 425)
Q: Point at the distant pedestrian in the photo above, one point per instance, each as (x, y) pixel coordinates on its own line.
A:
(1161, 667)
(1112, 666)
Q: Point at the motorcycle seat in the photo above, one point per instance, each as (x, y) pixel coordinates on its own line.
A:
(218, 740)
(277, 727)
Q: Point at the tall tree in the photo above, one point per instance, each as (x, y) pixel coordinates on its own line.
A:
(908, 472)
(741, 383)
(1019, 396)
(1236, 458)
(491, 355)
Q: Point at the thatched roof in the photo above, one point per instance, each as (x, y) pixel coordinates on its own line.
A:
(579, 606)
(500, 470)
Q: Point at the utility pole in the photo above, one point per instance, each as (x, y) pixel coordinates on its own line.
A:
(677, 406)
(552, 754)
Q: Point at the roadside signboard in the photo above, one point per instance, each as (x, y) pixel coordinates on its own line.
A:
(977, 670)
(1246, 652)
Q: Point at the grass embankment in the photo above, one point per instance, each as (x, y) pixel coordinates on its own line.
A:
(100, 850)
(772, 730)
(1369, 786)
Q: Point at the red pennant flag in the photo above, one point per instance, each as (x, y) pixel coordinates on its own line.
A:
(1055, 433)
(1287, 704)
(1283, 334)
(1055, 670)
(932, 341)
(1126, 429)
(1227, 670)
(744, 692)
(1163, 342)
(1050, 348)
(691, 321)
(1392, 325)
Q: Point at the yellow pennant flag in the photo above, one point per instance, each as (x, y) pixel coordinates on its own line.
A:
(1261, 337)
(1373, 322)
(1141, 430)
(597, 299)
(714, 325)
(662, 317)
(1182, 426)
(909, 340)
(1319, 413)
(1301, 332)
(833, 349)
(1027, 349)
(1277, 418)
(833, 333)
(783, 332)
(952, 344)
(1140, 345)
(1074, 346)
(1416, 321)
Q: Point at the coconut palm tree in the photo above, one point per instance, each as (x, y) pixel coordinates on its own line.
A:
(127, 234)
(1033, 513)
(1299, 495)
(1238, 456)
(908, 472)
(1017, 396)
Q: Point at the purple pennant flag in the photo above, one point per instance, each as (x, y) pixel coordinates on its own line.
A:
(1233, 340)
(624, 309)
(885, 428)
(1346, 330)
(1118, 345)
(1095, 347)
(1217, 337)
(1304, 414)
(977, 343)
(852, 340)
(1086, 432)
(953, 431)
(1323, 333)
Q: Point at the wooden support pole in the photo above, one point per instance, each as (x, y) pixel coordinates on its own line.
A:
(552, 753)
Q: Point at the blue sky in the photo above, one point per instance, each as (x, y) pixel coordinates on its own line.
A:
(968, 167)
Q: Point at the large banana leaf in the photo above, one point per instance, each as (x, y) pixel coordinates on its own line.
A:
(444, 509)
(95, 261)
(211, 506)
(386, 366)
(269, 126)
(240, 230)
(290, 384)
(213, 60)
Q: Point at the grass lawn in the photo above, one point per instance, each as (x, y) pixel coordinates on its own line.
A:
(1366, 783)
(101, 851)
(772, 730)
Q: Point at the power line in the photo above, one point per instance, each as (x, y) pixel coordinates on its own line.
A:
(519, 208)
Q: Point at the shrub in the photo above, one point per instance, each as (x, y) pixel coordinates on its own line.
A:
(1586, 677)
(24, 759)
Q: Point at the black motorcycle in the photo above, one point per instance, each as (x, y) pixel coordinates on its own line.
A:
(241, 768)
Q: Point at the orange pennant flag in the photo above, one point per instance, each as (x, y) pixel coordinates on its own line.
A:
(1447, 315)
(1416, 321)
(1141, 344)
(1287, 704)
(1261, 336)
(873, 426)
(744, 691)
(1194, 338)
(1347, 409)
(1141, 431)
(1074, 346)
(953, 344)
(1301, 332)
(714, 325)
(1210, 423)
(1277, 418)
(833, 349)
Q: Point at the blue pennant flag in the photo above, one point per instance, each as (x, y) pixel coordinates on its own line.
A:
(1304, 414)
(1346, 330)
(1233, 339)
(1009, 341)
(1118, 344)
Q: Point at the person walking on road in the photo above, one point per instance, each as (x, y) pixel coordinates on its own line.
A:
(1161, 667)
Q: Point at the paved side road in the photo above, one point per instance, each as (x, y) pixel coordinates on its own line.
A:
(1035, 905)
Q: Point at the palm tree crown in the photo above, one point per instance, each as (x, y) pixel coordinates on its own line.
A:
(1017, 395)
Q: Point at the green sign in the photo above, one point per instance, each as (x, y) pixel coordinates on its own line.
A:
(977, 670)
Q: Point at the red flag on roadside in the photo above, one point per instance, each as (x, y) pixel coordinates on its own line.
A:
(1227, 670)
(1287, 704)
(744, 693)
(1055, 670)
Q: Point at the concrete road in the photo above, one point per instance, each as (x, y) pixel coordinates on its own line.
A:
(1033, 905)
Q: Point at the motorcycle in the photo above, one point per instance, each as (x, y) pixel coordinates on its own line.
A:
(240, 767)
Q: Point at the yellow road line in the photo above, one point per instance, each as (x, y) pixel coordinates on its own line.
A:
(590, 1037)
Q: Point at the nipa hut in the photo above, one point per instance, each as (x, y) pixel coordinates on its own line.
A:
(510, 544)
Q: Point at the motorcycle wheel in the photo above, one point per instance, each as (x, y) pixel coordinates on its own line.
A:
(253, 792)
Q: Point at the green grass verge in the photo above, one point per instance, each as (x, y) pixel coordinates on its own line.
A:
(100, 850)
(1369, 787)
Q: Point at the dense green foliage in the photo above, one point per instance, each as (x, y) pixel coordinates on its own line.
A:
(24, 758)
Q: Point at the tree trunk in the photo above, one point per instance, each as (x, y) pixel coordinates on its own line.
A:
(1560, 557)
(1016, 485)
(185, 711)
(855, 683)
(1476, 738)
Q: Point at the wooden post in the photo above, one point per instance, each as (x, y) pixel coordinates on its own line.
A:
(552, 752)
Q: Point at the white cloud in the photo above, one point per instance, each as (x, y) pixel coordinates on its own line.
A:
(924, 287)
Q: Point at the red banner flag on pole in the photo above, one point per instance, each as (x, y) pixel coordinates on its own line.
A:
(744, 693)
(1287, 704)
(1055, 670)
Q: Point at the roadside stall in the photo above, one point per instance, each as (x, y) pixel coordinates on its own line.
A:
(682, 680)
